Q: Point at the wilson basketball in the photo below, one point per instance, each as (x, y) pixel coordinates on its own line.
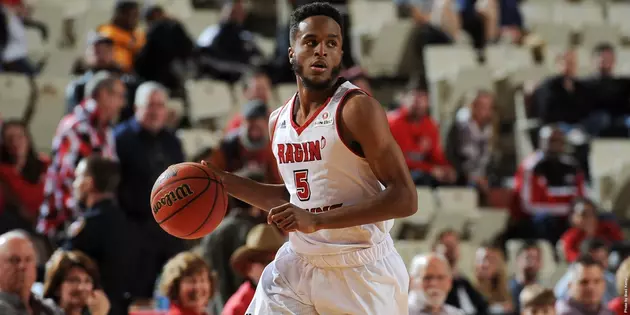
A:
(188, 201)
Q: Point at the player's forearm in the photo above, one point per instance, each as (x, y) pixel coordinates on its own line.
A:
(263, 196)
(394, 202)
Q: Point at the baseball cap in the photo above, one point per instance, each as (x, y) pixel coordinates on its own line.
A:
(255, 109)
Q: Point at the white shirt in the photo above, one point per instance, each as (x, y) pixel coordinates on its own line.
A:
(321, 173)
(16, 45)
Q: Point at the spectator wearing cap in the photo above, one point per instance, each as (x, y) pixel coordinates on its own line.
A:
(249, 261)
(102, 231)
(418, 136)
(586, 290)
(146, 147)
(85, 131)
(98, 57)
(536, 300)
(123, 31)
(248, 147)
(256, 87)
(227, 50)
(167, 52)
(597, 250)
(218, 246)
(586, 224)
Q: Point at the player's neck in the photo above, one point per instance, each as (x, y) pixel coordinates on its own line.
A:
(311, 99)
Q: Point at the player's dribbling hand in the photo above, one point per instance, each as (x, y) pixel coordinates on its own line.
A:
(290, 218)
(213, 169)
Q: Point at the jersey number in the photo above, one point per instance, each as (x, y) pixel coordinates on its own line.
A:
(301, 185)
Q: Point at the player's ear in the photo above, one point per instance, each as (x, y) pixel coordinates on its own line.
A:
(291, 53)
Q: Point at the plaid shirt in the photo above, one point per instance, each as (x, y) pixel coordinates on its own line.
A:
(78, 136)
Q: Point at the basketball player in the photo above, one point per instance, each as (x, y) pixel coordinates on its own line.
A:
(334, 149)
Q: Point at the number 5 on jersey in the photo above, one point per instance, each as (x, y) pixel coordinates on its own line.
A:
(301, 185)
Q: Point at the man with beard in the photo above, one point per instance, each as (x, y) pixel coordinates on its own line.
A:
(102, 231)
(17, 275)
(246, 148)
(431, 280)
(528, 265)
(345, 180)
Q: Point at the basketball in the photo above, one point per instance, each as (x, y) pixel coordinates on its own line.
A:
(188, 201)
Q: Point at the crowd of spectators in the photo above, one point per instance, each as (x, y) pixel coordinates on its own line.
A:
(76, 231)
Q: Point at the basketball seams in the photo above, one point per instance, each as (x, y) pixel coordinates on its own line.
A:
(187, 203)
(216, 191)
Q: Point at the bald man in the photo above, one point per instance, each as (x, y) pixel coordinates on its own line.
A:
(17, 275)
(430, 282)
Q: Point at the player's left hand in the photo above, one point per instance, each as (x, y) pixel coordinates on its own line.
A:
(290, 218)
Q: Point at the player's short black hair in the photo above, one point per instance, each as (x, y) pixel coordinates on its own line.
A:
(105, 173)
(313, 9)
(603, 47)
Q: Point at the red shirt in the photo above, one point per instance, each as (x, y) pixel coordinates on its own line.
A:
(30, 195)
(238, 303)
(418, 140)
(175, 309)
(234, 123)
(617, 306)
(573, 237)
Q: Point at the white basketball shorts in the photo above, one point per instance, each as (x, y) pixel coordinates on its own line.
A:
(371, 281)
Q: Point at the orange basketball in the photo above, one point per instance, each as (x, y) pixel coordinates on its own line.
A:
(188, 201)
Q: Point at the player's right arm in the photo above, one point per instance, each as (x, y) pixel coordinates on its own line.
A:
(263, 196)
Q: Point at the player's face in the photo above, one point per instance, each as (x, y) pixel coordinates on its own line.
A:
(539, 310)
(316, 52)
(76, 288)
(588, 286)
(194, 290)
(153, 115)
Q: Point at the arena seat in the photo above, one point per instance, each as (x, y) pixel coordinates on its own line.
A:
(446, 220)
(578, 14)
(370, 16)
(209, 99)
(283, 92)
(15, 90)
(537, 12)
(553, 33)
(391, 54)
(462, 201)
(488, 224)
(409, 249)
(50, 108)
(426, 207)
(194, 140)
(442, 61)
(592, 35)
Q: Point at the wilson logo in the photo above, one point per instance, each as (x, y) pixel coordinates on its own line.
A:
(180, 193)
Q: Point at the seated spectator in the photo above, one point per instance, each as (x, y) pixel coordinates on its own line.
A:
(17, 275)
(511, 21)
(218, 246)
(491, 279)
(249, 261)
(145, 149)
(480, 20)
(85, 131)
(546, 183)
(536, 300)
(617, 305)
(610, 94)
(586, 290)
(586, 224)
(13, 45)
(124, 32)
(72, 281)
(528, 266)
(99, 57)
(168, 50)
(462, 294)
(256, 87)
(102, 230)
(418, 136)
(227, 50)
(468, 146)
(188, 283)
(598, 250)
(248, 147)
(438, 19)
(430, 281)
(22, 172)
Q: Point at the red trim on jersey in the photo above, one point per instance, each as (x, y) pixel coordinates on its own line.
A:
(338, 118)
(275, 123)
(300, 129)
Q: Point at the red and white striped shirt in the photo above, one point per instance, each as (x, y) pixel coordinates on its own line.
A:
(79, 135)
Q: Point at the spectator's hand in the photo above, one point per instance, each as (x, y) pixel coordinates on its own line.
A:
(290, 218)
(98, 304)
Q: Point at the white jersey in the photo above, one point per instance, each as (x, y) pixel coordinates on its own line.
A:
(321, 173)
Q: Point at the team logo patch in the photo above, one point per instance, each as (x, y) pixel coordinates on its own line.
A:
(326, 120)
(325, 115)
(283, 125)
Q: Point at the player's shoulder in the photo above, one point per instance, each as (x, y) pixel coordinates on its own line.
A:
(362, 108)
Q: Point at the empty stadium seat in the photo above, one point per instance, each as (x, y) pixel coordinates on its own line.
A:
(443, 220)
(15, 90)
(195, 140)
(209, 99)
(488, 224)
(409, 249)
(578, 15)
(50, 108)
(284, 92)
(593, 35)
(554, 33)
(462, 201)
